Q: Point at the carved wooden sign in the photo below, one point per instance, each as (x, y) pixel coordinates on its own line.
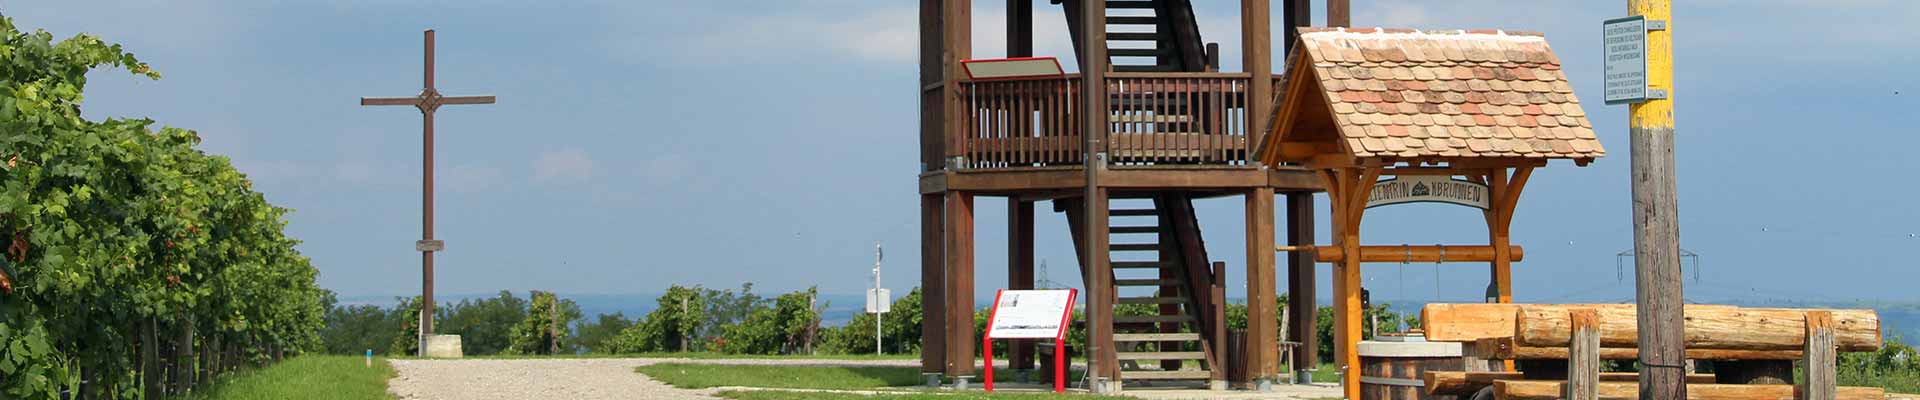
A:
(1429, 189)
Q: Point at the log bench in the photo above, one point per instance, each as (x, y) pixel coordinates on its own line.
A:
(1559, 349)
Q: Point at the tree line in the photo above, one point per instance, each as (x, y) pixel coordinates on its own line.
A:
(698, 319)
(136, 265)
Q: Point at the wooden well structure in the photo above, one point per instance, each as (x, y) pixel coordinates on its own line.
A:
(1170, 128)
(1486, 107)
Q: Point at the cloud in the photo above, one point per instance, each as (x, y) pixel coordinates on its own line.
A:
(563, 166)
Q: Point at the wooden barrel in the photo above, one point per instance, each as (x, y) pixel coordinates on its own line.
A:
(1392, 370)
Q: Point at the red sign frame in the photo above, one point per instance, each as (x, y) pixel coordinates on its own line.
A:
(1059, 343)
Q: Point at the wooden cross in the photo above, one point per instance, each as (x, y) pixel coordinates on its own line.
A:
(428, 101)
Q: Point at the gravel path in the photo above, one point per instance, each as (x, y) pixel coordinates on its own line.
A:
(614, 378)
(587, 379)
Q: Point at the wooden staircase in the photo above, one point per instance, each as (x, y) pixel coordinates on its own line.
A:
(1149, 36)
(1158, 260)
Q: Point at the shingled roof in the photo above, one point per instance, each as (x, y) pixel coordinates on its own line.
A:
(1428, 96)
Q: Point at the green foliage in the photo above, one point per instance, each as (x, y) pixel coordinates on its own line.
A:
(672, 326)
(113, 228)
(358, 328)
(596, 336)
(483, 324)
(548, 321)
(407, 340)
(900, 328)
(1896, 367)
(786, 327)
(1389, 322)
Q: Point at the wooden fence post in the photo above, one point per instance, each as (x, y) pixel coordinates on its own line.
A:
(1820, 358)
(1583, 356)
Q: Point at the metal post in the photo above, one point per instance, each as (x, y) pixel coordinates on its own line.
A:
(878, 255)
(426, 205)
(1656, 226)
(428, 100)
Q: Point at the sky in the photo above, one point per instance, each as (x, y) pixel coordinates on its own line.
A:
(640, 144)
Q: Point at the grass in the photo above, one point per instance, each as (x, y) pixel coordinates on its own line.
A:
(786, 395)
(305, 377)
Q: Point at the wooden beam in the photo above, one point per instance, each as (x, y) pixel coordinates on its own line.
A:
(1339, 13)
(1466, 322)
(1583, 356)
(932, 73)
(1013, 181)
(957, 44)
(1503, 348)
(1300, 283)
(959, 284)
(1465, 383)
(1820, 362)
(933, 283)
(1020, 254)
(1726, 328)
(1405, 253)
(1293, 15)
(1094, 65)
(1263, 350)
(1545, 390)
(1019, 28)
(1256, 45)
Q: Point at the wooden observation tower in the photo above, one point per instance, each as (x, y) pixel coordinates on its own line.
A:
(1122, 148)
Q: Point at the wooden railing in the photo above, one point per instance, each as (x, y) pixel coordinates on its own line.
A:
(1018, 123)
(1159, 118)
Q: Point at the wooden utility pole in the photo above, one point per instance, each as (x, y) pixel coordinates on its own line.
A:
(1093, 96)
(428, 101)
(1656, 219)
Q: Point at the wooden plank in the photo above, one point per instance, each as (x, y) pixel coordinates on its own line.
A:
(1169, 355)
(1465, 383)
(1503, 348)
(1721, 328)
(1155, 337)
(1820, 363)
(1546, 390)
(1017, 180)
(1583, 357)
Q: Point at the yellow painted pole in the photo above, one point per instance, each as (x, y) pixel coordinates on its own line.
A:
(1656, 209)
